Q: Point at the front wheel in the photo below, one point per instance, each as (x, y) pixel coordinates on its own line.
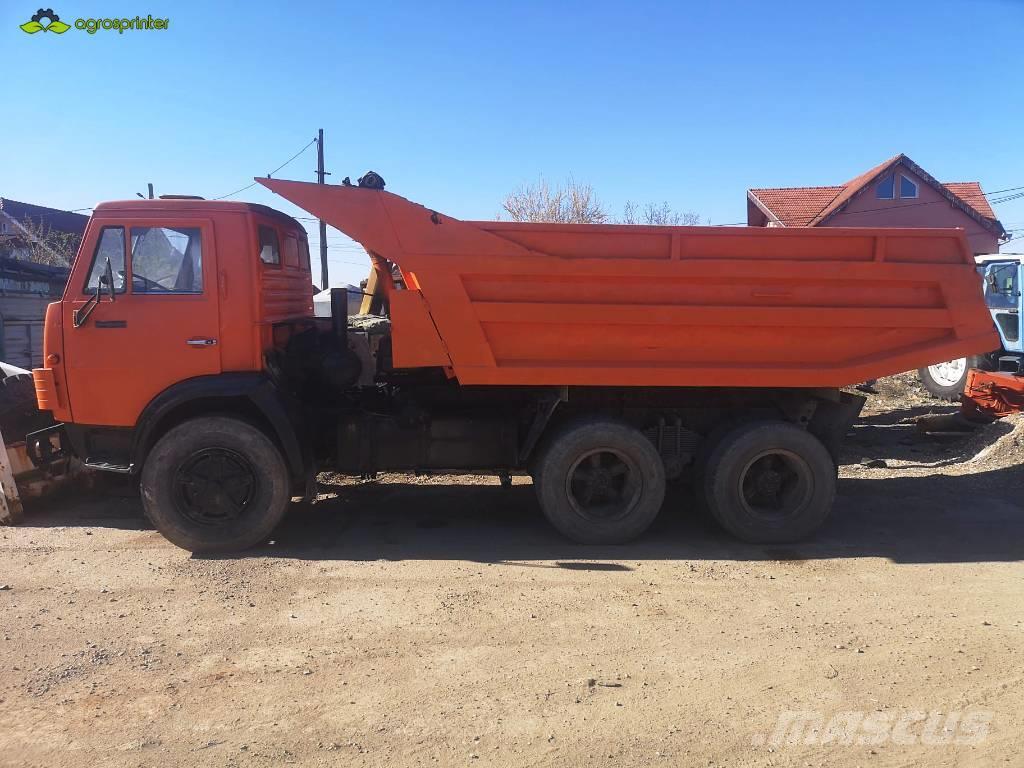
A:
(601, 482)
(769, 482)
(215, 484)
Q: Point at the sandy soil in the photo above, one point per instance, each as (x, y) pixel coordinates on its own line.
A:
(440, 621)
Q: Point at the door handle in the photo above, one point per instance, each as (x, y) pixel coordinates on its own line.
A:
(201, 342)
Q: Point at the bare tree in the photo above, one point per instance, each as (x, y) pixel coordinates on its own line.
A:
(662, 215)
(576, 203)
(573, 203)
(39, 243)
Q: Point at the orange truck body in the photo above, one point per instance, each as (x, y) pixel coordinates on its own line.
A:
(501, 303)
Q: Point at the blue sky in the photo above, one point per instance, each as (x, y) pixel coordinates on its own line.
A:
(456, 104)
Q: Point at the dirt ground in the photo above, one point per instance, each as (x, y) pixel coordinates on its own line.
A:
(440, 621)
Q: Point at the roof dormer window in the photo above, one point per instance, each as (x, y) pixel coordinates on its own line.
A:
(907, 187)
(886, 189)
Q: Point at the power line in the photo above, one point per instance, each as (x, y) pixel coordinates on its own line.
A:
(282, 165)
(232, 194)
(353, 263)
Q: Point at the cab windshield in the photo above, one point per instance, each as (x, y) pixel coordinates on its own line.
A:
(1002, 286)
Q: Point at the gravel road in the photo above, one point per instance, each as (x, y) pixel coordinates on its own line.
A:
(440, 621)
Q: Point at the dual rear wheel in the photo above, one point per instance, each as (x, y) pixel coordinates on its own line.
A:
(601, 481)
(767, 482)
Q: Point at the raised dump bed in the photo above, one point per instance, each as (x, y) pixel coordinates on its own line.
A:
(533, 304)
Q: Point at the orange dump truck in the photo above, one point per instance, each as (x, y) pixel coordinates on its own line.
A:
(603, 360)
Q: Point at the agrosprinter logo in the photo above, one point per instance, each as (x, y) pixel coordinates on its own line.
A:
(92, 26)
(53, 23)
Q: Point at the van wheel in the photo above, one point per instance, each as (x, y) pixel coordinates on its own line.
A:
(600, 482)
(215, 484)
(946, 380)
(769, 482)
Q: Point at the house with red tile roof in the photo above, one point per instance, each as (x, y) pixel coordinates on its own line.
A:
(896, 193)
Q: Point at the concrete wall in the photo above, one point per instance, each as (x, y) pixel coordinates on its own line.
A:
(866, 210)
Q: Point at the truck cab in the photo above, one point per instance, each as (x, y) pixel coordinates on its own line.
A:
(169, 301)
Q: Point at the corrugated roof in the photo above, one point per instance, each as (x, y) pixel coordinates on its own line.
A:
(54, 218)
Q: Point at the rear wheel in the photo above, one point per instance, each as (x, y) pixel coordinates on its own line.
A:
(769, 482)
(215, 484)
(600, 482)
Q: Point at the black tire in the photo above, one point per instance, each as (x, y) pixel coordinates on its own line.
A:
(769, 482)
(600, 482)
(948, 389)
(19, 412)
(215, 484)
(705, 450)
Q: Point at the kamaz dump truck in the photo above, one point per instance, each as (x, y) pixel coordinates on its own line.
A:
(603, 360)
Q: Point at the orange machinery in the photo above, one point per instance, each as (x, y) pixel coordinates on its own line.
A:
(602, 360)
(507, 303)
(990, 395)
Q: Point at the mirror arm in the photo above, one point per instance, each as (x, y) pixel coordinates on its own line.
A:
(82, 313)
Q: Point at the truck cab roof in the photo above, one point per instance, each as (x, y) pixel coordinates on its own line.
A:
(182, 204)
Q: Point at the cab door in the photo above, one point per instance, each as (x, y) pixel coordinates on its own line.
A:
(1003, 296)
(161, 327)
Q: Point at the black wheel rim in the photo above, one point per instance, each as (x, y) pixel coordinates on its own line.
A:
(776, 485)
(215, 486)
(603, 485)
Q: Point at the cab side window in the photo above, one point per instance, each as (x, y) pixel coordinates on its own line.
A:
(270, 249)
(291, 251)
(167, 260)
(110, 246)
(304, 254)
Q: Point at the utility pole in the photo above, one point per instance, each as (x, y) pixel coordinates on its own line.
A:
(320, 174)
